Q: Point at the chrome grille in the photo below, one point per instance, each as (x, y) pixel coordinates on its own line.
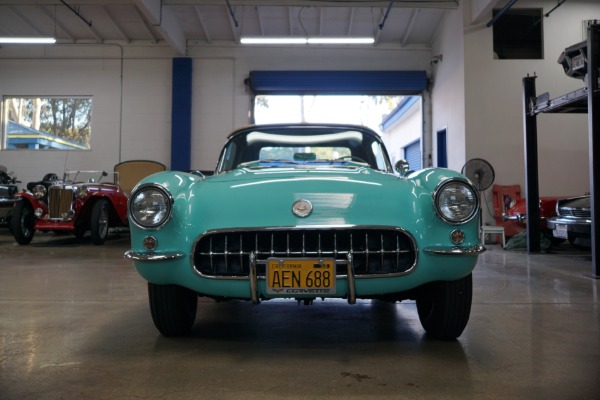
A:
(575, 212)
(59, 201)
(374, 251)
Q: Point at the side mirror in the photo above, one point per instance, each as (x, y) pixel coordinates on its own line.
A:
(402, 167)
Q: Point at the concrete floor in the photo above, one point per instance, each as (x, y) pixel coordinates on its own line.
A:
(75, 324)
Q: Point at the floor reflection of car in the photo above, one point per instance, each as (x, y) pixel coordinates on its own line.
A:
(573, 220)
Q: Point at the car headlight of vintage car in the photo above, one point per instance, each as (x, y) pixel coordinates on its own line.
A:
(38, 192)
(150, 206)
(81, 192)
(456, 201)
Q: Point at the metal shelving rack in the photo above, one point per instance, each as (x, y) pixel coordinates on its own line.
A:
(585, 100)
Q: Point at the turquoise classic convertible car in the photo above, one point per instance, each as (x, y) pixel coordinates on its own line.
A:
(303, 212)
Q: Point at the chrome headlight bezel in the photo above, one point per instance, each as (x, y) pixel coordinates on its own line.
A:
(165, 206)
(39, 192)
(447, 188)
(81, 192)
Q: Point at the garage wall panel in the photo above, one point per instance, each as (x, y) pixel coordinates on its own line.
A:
(52, 77)
(213, 109)
(146, 117)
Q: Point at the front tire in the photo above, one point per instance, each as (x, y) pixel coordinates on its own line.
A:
(444, 307)
(173, 308)
(22, 222)
(99, 222)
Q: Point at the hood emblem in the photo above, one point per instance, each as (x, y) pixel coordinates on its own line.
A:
(302, 208)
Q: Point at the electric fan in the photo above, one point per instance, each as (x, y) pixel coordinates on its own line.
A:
(480, 172)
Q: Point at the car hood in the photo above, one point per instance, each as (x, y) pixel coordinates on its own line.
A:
(576, 202)
(339, 196)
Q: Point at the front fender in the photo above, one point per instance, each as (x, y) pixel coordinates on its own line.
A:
(28, 197)
(430, 178)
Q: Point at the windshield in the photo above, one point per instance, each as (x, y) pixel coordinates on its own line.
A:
(90, 177)
(287, 146)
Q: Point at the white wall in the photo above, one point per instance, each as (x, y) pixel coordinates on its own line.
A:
(405, 131)
(222, 102)
(476, 97)
(131, 90)
(448, 88)
(130, 104)
(494, 104)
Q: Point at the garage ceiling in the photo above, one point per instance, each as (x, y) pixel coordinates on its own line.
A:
(181, 23)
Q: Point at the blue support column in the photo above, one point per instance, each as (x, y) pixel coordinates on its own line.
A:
(181, 114)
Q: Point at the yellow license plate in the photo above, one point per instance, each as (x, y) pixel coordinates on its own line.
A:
(300, 276)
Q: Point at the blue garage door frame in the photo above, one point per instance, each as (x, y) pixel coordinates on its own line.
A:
(337, 82)
(412, 154)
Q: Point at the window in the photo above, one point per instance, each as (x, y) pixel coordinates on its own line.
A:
(518, 35)
(50, 123)
(307, 153)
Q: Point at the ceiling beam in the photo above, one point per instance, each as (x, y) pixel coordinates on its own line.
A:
(351, 21)
(27, 22)
(260, 21)
(411, 23)
(116, 25)
(481, 9)
(451, 4)
(58, 25)
(147, 25)
(202, 25)
(233, 25)
(154, 12)
(321, 20)
(323, 3)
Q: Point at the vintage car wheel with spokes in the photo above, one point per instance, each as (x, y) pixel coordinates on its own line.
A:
(99, 222)
(173, 308)
(22, 222)
(444, 307)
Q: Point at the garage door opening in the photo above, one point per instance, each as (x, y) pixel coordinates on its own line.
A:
(397, 119)
(348, 109)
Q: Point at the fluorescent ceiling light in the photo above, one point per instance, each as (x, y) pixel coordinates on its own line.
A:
(27, 40)
(273, 40)
(341, 40)
(309, 40)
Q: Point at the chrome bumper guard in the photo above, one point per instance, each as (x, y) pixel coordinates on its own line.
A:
(456, 251)
(150, 256)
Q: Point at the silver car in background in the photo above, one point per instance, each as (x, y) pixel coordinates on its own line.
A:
(573, 220)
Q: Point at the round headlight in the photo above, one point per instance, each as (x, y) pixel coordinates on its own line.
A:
(150, 206)
(38, 191)
(81, 192)
(456, 201)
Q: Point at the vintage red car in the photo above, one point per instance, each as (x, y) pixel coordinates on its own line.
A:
(517, 212)
(82, 201)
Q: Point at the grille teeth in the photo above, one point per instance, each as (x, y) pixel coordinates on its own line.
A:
(575, 212)
(374, 251)
(59, 202)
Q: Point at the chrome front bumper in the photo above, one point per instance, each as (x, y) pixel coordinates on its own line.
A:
(150, 256)
(456, 251)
